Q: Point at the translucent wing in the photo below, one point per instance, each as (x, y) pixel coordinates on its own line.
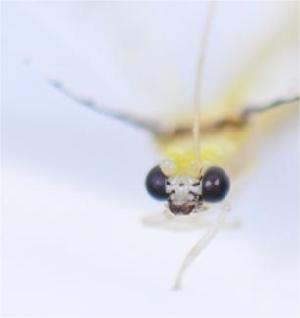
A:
(142, 56)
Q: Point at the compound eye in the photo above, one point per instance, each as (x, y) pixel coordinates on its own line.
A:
(156, 183)
(215, 184)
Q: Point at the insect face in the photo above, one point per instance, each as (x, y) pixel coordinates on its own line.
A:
(186, 194)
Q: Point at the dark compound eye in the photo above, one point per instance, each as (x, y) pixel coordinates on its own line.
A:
(215, 184)
(156, 183)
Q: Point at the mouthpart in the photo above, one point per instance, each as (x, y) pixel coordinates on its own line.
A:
(186, 208)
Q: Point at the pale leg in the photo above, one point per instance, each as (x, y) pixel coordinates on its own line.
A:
(200, 245)
(184, 223)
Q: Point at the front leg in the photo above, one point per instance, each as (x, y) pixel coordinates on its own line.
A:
(200, 245)
(184, 223)
(154, 127)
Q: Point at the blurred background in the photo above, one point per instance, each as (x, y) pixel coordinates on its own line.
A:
(73, 182)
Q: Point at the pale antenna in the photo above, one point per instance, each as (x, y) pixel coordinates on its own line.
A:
(199, 72)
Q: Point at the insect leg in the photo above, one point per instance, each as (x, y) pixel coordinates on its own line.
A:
(171, 222)
(182, 223)
(252, 110)
(200, 245)
(237, 121)
(153, 127)
(241, 119)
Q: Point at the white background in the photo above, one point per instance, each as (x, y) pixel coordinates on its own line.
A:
(73, 182)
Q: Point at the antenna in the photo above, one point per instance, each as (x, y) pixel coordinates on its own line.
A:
(199, 72)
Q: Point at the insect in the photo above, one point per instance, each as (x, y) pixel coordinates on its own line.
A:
(202, 156)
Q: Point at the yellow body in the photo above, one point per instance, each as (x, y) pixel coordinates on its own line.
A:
(232, 148)
(220, 148)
